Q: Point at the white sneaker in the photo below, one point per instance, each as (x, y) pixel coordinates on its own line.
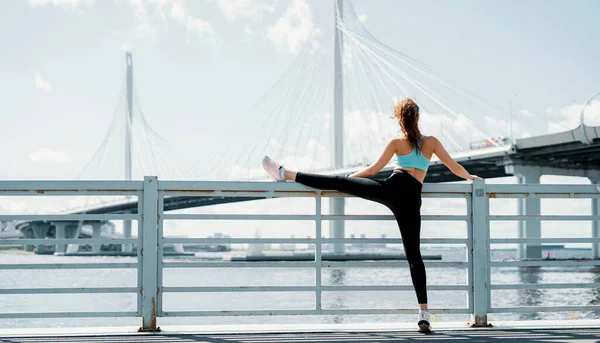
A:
(273, 168)
(423, 322)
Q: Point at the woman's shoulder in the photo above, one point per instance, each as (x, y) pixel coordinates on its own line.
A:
(429, 139)
(399, 141)
(428, 143)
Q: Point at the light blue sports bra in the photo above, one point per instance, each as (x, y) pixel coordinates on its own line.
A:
(412, 160)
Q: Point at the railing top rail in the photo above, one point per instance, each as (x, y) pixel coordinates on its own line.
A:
(266, 187)
(542, 189)
(41, 187)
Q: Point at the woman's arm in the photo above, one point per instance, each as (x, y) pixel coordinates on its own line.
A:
(383, 159)
(449, 162)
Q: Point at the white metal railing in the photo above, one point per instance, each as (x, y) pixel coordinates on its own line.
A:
(150, 263)
(73, 188)
(538, 192)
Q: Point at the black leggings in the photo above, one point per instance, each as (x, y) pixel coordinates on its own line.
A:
(401, 193)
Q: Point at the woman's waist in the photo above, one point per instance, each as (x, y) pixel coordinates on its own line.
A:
(415, 173)
(403, 177)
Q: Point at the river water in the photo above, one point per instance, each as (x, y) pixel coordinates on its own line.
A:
(288, 300)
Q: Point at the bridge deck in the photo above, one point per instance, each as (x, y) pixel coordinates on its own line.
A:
(587, 331)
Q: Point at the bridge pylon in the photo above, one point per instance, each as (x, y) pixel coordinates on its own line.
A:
(128, 143)
(337, 205)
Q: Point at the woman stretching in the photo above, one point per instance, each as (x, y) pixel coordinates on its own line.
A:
(401, 192)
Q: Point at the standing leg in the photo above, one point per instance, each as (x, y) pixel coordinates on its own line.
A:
(410, 229)
(409, 221)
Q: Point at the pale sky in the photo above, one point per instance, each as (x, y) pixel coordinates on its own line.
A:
(200, 65)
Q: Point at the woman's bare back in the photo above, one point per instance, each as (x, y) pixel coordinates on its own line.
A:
(403, 147)
(431, 146)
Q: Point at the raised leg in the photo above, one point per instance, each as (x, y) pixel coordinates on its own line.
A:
(359, 187)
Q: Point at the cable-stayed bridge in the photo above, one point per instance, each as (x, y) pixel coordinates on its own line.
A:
(295, 121)
(331, 112)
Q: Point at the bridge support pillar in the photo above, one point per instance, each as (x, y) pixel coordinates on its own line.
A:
(127, 247)
(65, 230)
(528, 206)
(28, 234)
(596, 223)
(96, 233)
(61, 232)
(40, 230)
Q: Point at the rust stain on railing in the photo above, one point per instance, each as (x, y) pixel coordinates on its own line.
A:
(480, 321)
(44, 191)
(153, 324)
(154, 315)
(299, 192)
(189, 190)
(323, 193)
(242, 191)
(463, 193)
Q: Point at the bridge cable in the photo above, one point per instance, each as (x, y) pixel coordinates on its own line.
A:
(418, 86)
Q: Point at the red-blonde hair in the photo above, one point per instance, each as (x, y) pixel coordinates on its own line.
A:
(407, 114)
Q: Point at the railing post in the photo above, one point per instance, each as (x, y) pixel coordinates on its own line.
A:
(318, 250)
(149, 253)
(595, 228)
(480, 254)
(596, 223)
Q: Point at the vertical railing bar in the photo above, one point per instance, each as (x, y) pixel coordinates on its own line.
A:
(318, 223)
(469, 253)
(140, 207)
(595, 226)
(488, 249)
(140, 244)
(161, 248)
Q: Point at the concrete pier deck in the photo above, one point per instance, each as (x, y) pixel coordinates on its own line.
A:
(506, 332)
